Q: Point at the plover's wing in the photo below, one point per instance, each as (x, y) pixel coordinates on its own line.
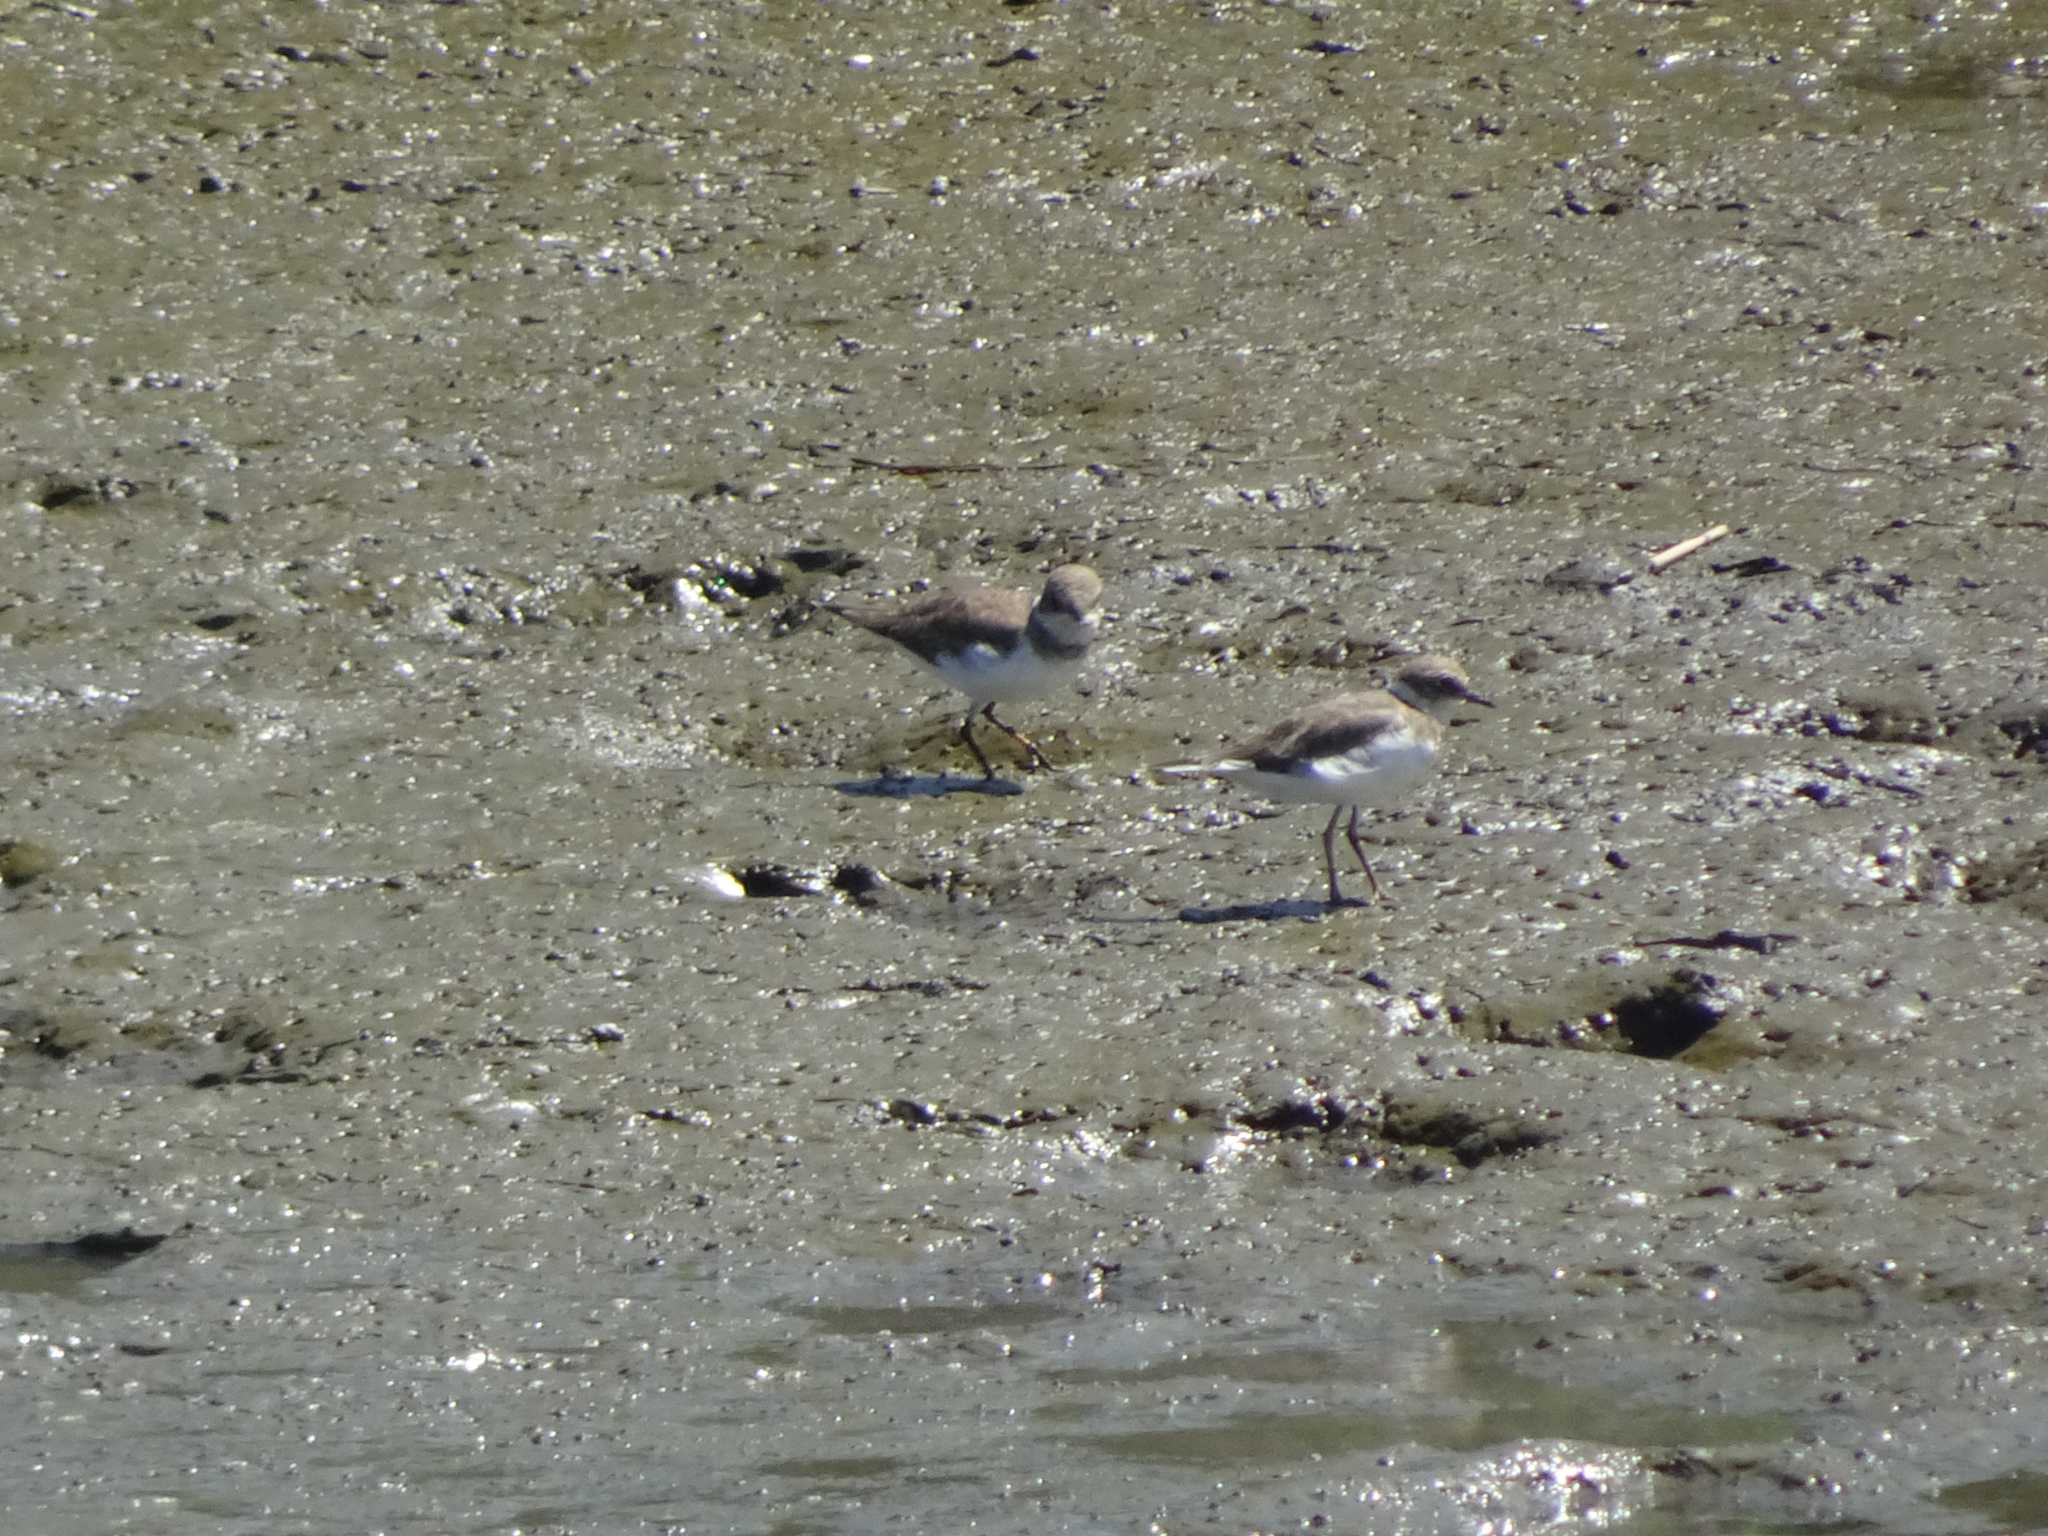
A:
(946, 623)
(1324, 729)
(1354, 728)
(1349, 725)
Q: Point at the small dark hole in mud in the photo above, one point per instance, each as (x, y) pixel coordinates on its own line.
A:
(59, 493)
(2018, 877)
(1321, 1113)
(2028, 733)
(1897, 719)
(863, 882)
(751, 581)
(22, 862)
(1467, 1134)
(912, 1111)
(768, 880)
(57, 1044)
(1667, 1019)
(647, 584)
(837, 561)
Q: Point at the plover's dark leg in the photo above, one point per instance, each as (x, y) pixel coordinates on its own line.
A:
(1358, 848)
(1038, 758)
(1330, 856)
(988, 769)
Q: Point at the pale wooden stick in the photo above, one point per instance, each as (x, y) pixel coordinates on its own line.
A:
(1684, 547)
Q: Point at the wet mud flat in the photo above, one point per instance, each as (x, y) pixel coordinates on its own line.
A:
(513, 1018)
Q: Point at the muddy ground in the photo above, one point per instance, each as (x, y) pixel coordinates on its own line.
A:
(424, 431)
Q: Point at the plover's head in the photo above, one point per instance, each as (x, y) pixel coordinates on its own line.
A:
(1071, 603)
(1433, 684)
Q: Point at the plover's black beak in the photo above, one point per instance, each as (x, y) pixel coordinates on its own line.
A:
(1473, 698)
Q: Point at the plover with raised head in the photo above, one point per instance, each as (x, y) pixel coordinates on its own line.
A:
(995, 644)
(1354, 750)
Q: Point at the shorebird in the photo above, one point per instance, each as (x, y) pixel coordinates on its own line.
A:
(1354, 750)
(995, 644)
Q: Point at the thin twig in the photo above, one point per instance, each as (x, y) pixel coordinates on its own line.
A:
(1685, 547)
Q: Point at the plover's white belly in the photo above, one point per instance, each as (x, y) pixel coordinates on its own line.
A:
(1383, 771)
(989, 676)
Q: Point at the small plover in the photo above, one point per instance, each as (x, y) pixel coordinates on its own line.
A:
(1354, 750)
(995, 644)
